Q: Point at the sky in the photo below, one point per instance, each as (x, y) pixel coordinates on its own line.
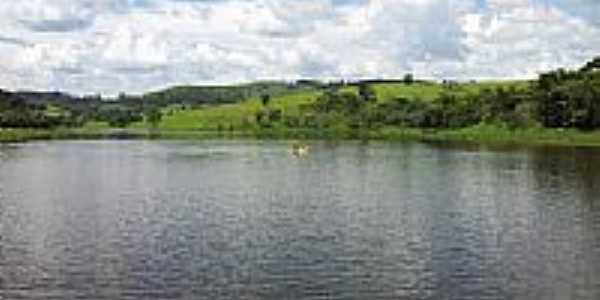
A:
(134, 46)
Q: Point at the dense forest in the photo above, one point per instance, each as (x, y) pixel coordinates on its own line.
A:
(556, 99)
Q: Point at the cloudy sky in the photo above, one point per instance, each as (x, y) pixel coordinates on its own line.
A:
(108, 46)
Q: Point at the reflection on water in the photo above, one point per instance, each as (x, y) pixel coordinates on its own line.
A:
(248, 220)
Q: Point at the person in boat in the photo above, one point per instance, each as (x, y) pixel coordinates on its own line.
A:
(299, 149)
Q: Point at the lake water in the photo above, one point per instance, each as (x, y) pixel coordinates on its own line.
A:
(249, 220)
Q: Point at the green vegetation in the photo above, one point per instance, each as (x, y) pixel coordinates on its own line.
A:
(230, 117)
(561, 107)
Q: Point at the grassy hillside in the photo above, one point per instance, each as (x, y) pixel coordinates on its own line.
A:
(430, 91)
(241, 116)
(198, 95)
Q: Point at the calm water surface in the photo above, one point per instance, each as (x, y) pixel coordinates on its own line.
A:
(248, 220)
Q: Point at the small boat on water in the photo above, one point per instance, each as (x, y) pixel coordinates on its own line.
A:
(300, 149)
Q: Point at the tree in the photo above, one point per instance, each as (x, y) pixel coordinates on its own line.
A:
(118, 115)
(592, 65)
(259, 116)
(265, 99)
(153, 116)
(367, 93)
(408, 79)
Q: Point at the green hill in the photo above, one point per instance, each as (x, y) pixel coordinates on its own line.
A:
(241, 115)
(238, 116)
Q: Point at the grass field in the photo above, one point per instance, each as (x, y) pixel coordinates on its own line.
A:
(429, 91)
(231, 116)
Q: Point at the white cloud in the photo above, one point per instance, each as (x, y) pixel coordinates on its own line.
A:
(526, 39)
(115, 45)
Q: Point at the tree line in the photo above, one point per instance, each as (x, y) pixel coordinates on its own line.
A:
(557, 99)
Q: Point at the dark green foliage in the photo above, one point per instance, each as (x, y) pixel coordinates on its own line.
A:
(344, 109)
(267, 117)
(118, 115)
(591, 66)
(292, 121)
(570, 99)
(265, 99)
(259, 117)
(367, 93)
(274, 115)
(403, 112)
(408, 79)
(153, 115)
(16, 112)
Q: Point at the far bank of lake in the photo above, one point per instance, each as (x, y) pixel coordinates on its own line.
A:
(482, 134)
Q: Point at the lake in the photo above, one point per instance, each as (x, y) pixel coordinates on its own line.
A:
(249, 220)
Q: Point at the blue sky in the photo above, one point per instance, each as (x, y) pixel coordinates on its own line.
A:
(108, 46)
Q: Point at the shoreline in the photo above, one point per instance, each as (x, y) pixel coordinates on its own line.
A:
(482, 134)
